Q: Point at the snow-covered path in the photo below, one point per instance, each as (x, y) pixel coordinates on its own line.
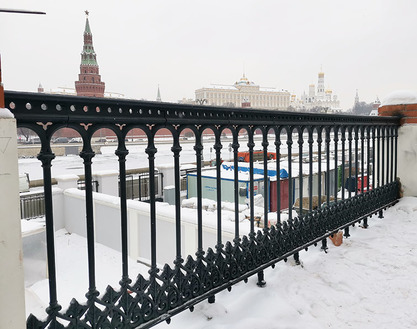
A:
(367, 282)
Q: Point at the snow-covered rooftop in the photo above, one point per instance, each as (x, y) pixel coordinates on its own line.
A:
(400, 97)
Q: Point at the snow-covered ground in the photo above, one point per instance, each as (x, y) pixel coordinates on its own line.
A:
(367, 282)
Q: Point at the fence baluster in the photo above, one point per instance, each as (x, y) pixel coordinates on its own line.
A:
(350, 137)
(265, 145)
(327, 141)
(150, 151)
(218, 148)
(319, 178)
(383, 141)
(343, 140)
(278, 167)
(336, 168)
(362, 159)
(235, 146)
(300, 169)
(87, 155)
(121, 153)
(198, 148)
(310, 168)
(356, 159)
(251, 145)
(368, 157)
(46, 156)
(176, 149)
(387, 140)
(396, 152)
(290, 182)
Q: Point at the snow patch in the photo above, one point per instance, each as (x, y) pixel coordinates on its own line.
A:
(400, 97)
(31, 226)
(5, 113)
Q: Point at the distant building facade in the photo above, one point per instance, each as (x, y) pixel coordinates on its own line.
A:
(243, 93)
(89, 80)
(320, 98)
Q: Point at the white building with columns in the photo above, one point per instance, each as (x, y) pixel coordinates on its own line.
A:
(243, 93)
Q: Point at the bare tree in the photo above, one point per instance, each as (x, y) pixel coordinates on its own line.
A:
(25, 132)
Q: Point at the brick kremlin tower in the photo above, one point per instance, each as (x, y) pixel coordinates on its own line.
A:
(89, 80)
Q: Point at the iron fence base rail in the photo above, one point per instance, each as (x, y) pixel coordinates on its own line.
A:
(148, 302)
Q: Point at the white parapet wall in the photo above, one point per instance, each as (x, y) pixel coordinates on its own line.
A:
(106, 209)
(407, 158)
(403, 103)
(12, 294)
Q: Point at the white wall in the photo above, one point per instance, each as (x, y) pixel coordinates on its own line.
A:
(108, 231)
(407, 158)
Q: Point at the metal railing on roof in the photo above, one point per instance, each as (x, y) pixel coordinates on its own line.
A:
(360, 146)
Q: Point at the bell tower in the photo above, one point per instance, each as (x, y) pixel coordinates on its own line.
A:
(89, 80)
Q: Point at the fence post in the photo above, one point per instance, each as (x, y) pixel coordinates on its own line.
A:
(12, 297)
(404, 104)
(108, 182)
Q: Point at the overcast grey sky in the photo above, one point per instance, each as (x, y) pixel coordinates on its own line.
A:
(368, 45)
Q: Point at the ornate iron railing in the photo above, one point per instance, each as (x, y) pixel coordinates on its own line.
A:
(360, 147)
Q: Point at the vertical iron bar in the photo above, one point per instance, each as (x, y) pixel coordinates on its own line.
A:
(343, 161)
(362, 159)
(278, 166)
(392, 155)
(368, 156)
(378, 160)
(387, 138)
(265, 145)
(310, 169)
(150, 151)
(176, 149)
(121, 153)
(300, 169)
(356, 159)
(290, 184)
(319, 141)
(46, 156)
(198, 151)
(87, 154)
(327, 166)
(350, 160)
(235, 147)
(336, 168)
(396, 152)
(217, 148)
(382, 156)
(373, 157)
(251, 145)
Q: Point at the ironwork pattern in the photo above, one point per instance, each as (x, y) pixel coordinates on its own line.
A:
(144, 302)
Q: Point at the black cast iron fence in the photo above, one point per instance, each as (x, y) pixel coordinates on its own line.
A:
(364, 148)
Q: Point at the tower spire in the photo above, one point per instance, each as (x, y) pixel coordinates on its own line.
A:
(357, 97)
(158, 96)
(89, 80)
